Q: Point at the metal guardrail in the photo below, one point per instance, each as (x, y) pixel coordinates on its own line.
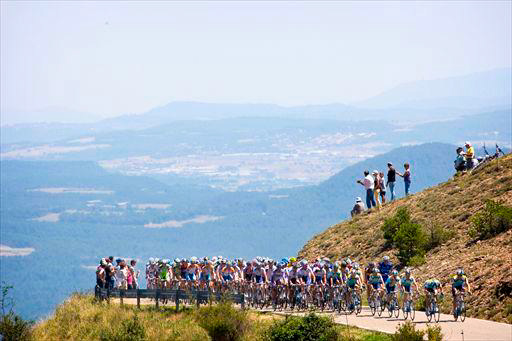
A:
(175, 295)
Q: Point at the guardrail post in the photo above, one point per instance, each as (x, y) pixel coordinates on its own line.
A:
(121, 294)
(242, 304)
(157, 297)
(138, 298)
(108, 295)
(197, 298)
(178, 299)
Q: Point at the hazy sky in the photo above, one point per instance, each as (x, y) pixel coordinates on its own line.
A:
(127, 57)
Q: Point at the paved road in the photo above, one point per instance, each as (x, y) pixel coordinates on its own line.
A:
(470, 330)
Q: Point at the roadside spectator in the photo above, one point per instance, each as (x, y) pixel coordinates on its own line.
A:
(460, 161)
(121, 274)
(358, 207)
(101, 274)
(110, 273)
(382, 185)
(135, 274)
(376, 187)
(407, 177)
(368, 183)
(391, 180)
(470, 156)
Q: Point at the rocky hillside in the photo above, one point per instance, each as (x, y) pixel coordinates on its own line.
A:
(450, 205)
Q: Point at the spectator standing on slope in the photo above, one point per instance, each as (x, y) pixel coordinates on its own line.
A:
(376, 187)
(358, 207)
(391, 180)
(382, 184)
(368, 183)
(470, 156)
(407, 177)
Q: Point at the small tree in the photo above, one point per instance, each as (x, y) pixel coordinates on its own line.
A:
(410, 241)
(391, 225)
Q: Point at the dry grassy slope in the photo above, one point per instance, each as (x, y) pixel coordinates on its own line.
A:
(451, 205)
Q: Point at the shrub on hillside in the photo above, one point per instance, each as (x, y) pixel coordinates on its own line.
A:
(391, 225)
(437, 235)
(494, 219)
(311, 327)
(404, 234)
(410, 241)
(12, 326)
(223, 322)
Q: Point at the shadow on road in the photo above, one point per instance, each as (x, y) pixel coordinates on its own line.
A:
(433, 322)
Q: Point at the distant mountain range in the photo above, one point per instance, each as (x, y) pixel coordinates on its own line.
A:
(477, 90)
(409, 102)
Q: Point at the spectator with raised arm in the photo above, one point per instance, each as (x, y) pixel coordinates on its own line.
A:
(368, 183)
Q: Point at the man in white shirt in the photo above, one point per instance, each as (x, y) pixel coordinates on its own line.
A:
(368, 183)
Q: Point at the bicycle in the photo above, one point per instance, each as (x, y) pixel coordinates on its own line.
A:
(393, 305)
(355, 304)
(432, 310)
(408, 307)
(460, 306)
(375, 302)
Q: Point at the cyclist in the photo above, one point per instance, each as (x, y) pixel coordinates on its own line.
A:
(353, 283)
(385, 267)
(433, 287)
(247, 271)
(459, 284)
(277, 278)
(392, 283)
(406, 284)
(367, 273)
(164, 274)
(207, 273)
(376, 281)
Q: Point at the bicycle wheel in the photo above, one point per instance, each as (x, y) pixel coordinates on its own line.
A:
(359, 305)
(412, 311)
(429, 313)
(373, 307)
(404, 310)
(437, 314)
(397, 308)
(380, 307)
(463, 312)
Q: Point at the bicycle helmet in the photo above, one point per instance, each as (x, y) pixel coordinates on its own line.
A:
(375, 271)
(304, 262)
(284, 260)
(151, 260)
(193, 260)
(371, 264)
(293, 259)
(385, 258)
(460, 272)
(407, 271)
(394, 273)
(177, 260)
